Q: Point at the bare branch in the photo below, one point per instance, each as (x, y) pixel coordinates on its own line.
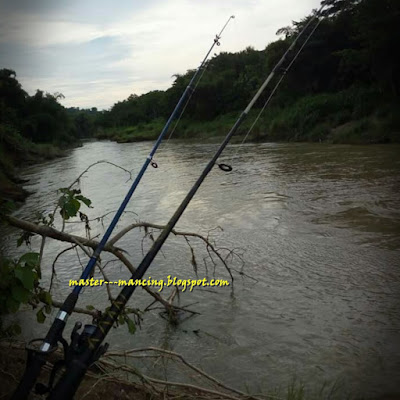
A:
(127, 353)
(127, 229)
(83, 243)
(41, 252)
(53, 266)
(53, 233)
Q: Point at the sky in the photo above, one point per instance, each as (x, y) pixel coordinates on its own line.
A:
(98, 52)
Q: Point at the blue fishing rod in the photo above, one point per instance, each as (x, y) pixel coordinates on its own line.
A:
(39, 349)
(87, 347)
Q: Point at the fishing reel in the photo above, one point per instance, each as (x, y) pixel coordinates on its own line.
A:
(79, 343)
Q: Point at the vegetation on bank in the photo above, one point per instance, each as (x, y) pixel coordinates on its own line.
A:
(15, 150)
(34, 128)
(312, 118)
(343, 88)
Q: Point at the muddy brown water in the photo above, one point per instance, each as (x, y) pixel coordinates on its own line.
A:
(319, 230)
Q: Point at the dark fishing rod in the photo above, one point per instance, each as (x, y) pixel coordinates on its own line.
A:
(88, 345)
(273, 91)
(37, 356)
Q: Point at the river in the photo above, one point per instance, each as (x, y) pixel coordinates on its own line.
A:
(319, 229)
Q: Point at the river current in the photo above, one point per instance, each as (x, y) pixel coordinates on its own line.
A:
(318, 230)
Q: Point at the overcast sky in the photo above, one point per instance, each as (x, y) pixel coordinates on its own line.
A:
(98, 52)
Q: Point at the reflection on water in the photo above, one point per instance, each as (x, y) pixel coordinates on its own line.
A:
(320, 228)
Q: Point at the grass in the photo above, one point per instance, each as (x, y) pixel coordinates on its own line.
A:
(355, 115)
(186, 129)
(140, 132)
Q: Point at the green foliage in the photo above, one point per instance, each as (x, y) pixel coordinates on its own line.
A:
(124, 318)
(131, 325)
(347, 71)
(40, 316)
(70, 202)
(85, 121)
(32, 128)
(19, 280)
(7, 207)
(19, 284)
(41, 118)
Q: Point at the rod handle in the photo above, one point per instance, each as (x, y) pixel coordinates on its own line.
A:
(32, 371)
(69, 382)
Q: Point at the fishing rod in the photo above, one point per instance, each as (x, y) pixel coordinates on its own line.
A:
(87, 347)
(37, 357)
(275, 88)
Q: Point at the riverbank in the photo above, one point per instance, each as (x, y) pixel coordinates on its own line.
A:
(12, 365)
(347, 117)
(97, 384)
(15, 152)
(364, 131)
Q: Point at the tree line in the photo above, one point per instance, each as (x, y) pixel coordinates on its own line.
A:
(40, 118)
(347, 71)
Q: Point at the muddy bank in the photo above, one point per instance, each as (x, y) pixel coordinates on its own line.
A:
(94, 387)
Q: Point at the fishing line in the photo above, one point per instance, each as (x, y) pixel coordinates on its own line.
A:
(87, 347)
(37, 356)
(227, 167)
(184, 108)
(286, 70)
(197, 83)
(195, 87)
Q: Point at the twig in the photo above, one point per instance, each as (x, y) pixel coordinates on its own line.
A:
(181, 358)
(41, 252)
(110, 297)
(167, 383)
(127, 229)
(53, 266)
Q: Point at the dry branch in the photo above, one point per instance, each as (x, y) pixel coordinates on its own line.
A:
(128, 353)
(208, 243)
(46, 231)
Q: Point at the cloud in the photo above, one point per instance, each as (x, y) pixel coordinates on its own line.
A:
(34, 31)
(94, 51)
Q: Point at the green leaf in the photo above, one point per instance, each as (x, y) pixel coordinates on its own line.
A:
(20, 294)
(89, 307)
(121, 320)
(32, 259)
(47, 309)
(62, 201)
(84, 200)
(45, 297)
(26, 276)
(40, 316)
(64, 214)
(72, 207)
(131, 326)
